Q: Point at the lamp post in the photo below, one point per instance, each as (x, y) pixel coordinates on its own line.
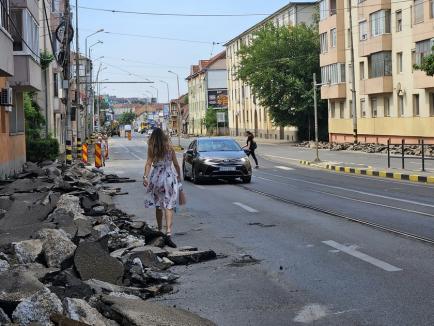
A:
(153, 87)
(90, 47)
(93, 102)
(168, 98)
(85, 42)
(179, 108)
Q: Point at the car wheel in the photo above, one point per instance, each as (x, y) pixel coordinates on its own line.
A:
(184, 173)
(196, 180)
(247, 179)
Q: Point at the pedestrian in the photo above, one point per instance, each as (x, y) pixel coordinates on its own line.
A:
(251, 147)
(161, 179)
(106, 148)
(103, 149)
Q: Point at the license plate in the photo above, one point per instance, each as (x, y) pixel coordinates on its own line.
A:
(227, 168)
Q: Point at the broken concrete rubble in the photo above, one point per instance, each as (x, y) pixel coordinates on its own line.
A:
(191, 257)
(37, 308)
(62, 240)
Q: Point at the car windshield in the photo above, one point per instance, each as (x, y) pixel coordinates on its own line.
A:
(218, 145)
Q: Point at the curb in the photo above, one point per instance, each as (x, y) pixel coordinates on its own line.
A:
(373, 173)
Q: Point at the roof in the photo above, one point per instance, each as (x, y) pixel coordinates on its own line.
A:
(204, 64)
(262, 22)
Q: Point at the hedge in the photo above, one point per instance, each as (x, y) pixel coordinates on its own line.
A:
(39, 150)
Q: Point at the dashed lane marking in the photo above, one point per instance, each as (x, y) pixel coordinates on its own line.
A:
(245, 207)
(286, 168)
(360, 255)
(200, 187)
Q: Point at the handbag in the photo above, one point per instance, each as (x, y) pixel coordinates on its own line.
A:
(182, 197)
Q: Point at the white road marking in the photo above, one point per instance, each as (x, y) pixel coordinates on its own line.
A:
(352, 190)
(285, 158)
(200, 187)
(366, 258)
(136, 156)
(376, 204)
(245, 207)
(284, 168)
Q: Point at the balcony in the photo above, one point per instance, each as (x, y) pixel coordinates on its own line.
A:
(369, 6)
(6, 54)
(27, 74)
(375, 44)
(334, 91)
(31, 5)
(377, 85)
(421, 80)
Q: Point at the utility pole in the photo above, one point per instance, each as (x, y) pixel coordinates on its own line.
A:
(316, 118)
(77, 73)
(179, 109)
(353, 74)
(66, 77)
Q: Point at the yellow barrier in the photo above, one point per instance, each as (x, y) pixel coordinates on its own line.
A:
(98, 159)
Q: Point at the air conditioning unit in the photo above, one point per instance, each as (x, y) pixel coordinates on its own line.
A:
(6, 97)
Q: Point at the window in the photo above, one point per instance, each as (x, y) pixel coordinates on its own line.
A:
(27, 29)
(333, 38)
(386, 107)
(423, 49)
(380, 64)
(332, 110)
(4, 8)
(323, 42)
(332, 7)
(56, 85)
(374, 107)
(362, 70)
(399, 62)
(16, 119)
(362, 108)
(418, 11)
(380, 22)
(400, 105)
(431, 8)
(363, 31)
(431, 104)
(350, 73)
(398, 20)
(341, 110)
(333, 74)
(323, 9)
(416, 109)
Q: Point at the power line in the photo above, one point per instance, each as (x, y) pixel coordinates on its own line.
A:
(170, 14)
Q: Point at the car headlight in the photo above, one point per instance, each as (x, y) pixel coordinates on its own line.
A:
(244, 159)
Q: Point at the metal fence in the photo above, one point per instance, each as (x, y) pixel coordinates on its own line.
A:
(423, 157)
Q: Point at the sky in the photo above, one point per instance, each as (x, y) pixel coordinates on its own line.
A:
(132, 58)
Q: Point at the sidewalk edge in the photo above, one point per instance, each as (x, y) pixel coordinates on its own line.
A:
(372, 173)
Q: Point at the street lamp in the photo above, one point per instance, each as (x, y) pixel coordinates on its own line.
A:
(96, 43)
(98, 31)
(156, 90)
(179, 108)
(168, 99)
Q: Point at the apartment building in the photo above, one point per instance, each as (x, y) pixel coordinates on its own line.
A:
(244, 111)
(207, 89)
(174, 118)
(393, 100)
(19, 63)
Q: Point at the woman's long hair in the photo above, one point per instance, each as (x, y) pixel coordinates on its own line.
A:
(158, 145)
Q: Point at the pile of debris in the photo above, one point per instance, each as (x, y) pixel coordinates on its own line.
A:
(69, 257)
(415, 150)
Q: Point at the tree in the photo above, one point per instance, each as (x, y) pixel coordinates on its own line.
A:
(427, 64)
(127, 118)
(278, 65)
(211, 123)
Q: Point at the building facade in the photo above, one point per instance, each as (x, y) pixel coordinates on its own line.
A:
(207, 88)
(393, 100)
(175, 119)
(244, 111)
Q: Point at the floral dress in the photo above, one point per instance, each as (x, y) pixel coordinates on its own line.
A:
(162, 190)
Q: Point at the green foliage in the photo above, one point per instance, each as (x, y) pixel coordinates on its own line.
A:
(278, 65)
(427, 64)
(211, 119)
(127, 118)
(34, 119)
(46, 59)
(39, 150)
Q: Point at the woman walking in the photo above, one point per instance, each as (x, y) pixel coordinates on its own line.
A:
(161, 180)
(251, 147)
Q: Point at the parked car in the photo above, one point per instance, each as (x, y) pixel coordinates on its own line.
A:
(216, 158)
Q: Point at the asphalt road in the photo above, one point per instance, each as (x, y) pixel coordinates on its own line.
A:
(315, 264)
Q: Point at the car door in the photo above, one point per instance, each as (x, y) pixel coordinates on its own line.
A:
(189, 157)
